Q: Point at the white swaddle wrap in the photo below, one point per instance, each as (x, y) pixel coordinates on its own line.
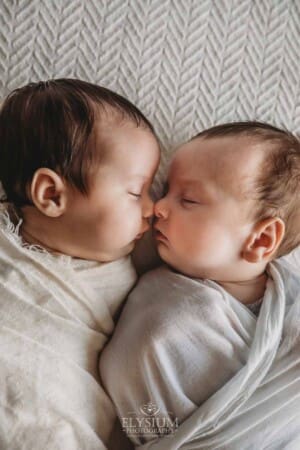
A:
(56, 313)
(198, 354)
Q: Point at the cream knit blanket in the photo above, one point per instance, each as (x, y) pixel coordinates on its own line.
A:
(56, 313)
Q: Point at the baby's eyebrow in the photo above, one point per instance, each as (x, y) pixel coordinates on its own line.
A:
(198, 187)
(192, 183)
(184, 183)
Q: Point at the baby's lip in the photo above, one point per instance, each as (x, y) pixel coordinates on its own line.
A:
(158, 234)
(142, 233)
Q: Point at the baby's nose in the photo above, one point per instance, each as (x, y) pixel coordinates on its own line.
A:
(160, 208)
(148, 207)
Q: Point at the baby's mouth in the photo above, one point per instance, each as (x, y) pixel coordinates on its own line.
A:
(159, 235)
(140, 235)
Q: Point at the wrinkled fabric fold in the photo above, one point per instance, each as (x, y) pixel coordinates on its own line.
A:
(231, 379)
(56, 314)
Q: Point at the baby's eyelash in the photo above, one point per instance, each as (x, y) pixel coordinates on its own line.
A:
(135, 195)
(191, 202)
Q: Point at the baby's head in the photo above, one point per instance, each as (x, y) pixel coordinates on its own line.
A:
(232, 202)
(78, 160)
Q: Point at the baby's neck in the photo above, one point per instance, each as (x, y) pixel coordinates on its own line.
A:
(247, 291)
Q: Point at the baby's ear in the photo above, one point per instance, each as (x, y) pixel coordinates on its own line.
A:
(264, 240)
(48, 192)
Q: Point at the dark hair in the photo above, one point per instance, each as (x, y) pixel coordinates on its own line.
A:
(50, 124)
(277, 186)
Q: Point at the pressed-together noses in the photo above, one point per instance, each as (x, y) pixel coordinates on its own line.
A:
(147, 207)
(161, 208)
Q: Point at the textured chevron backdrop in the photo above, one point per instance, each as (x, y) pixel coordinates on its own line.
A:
(187, 64)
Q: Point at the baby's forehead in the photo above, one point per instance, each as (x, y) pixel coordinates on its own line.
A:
(231, 164)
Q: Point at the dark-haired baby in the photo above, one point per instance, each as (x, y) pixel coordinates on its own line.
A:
(76, 163)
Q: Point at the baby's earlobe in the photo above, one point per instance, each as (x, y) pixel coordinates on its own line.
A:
(254, 255)
(54, 207)
(264, 241)
(48, 192)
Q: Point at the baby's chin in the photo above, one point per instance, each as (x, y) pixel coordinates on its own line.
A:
(113, 254)
(179, 267)
(174, 265)
(125, 251)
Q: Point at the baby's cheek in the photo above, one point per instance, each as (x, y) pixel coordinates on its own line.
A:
(202, 243)
(219, 248)
(129, 217)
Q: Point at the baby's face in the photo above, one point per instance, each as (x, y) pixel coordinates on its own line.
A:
(118, 208)
(205, 217)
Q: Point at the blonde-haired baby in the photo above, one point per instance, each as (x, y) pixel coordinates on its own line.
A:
(211, 339)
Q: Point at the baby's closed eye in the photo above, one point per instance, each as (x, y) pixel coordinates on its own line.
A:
(187, 200)
(135, 194)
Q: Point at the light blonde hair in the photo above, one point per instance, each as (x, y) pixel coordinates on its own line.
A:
(277, 186)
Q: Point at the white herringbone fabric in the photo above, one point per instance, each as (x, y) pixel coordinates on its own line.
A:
(188, 64)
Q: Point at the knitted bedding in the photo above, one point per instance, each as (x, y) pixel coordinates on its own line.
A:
(187, 64)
